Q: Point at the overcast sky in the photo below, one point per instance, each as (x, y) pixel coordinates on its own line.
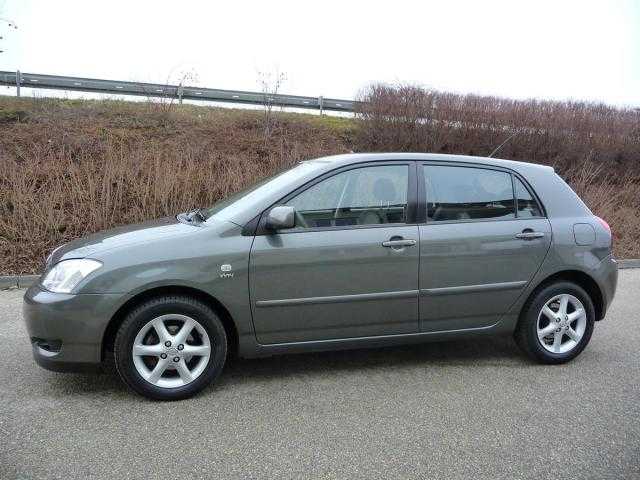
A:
(557, 49)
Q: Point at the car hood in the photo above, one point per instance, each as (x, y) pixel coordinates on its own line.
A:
(121, 236)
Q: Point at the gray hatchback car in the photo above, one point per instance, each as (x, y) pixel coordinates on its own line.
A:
(347, 251)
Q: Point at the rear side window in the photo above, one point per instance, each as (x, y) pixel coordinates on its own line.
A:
(466, 193)
(527, 205)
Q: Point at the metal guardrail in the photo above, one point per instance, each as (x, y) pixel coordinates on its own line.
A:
(54, 82)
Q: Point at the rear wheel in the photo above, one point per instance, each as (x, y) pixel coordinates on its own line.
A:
(556, 323)
(170, 348)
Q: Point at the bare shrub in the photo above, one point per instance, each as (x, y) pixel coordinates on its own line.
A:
(563, 134)
(72, 167)
(270, 84)
(162, 104)
(595, 147)
(62, 177)
(615, 198)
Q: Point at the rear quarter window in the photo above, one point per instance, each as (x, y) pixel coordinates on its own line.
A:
(526, 204)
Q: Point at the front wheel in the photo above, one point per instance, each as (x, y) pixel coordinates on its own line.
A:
(556, 323)
(170, 348)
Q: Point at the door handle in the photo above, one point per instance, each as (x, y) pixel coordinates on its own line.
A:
(529, 235)
(401, 242)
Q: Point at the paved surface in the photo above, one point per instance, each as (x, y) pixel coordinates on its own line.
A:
(457, 410)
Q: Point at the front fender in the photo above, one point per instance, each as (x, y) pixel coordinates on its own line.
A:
(214, 261)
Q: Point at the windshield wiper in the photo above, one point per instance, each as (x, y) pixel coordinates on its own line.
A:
(197, 214)
(194, 216)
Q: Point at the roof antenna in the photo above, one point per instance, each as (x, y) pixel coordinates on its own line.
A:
(502, 144)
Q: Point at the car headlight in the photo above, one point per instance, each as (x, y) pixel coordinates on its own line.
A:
(67, 274)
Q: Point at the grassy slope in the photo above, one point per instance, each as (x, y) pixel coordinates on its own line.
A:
(71, 167)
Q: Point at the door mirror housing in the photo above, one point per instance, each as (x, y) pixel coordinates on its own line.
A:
(281, 217)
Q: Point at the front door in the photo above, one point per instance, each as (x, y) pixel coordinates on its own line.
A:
(479, 247)
(349, 268)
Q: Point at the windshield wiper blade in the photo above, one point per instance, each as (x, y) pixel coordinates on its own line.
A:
(197, 214)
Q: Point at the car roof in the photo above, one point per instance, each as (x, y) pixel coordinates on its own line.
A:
(352, 158)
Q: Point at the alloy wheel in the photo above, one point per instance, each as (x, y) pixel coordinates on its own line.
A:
(561, 323)
(171, 350)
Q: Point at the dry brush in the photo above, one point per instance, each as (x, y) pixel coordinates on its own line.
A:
(69, 168)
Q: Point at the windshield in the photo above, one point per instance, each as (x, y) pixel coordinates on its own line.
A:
(256, 193)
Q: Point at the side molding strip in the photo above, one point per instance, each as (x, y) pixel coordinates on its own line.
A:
(402, 337)
(485, 287)
(337, 298)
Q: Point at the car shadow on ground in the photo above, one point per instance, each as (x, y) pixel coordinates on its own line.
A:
(490, 351)
(487, 351)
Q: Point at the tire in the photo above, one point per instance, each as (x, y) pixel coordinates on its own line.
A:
(538, 331)
(176, 362)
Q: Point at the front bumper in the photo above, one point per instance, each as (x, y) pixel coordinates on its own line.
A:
(66, 331)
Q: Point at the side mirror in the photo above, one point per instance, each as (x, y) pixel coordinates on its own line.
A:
(281, 217)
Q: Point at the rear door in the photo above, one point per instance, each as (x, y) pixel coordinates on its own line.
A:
(349, 268)
(478, 247)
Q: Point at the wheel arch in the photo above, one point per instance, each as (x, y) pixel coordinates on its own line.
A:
(118, 317)
(584, 280)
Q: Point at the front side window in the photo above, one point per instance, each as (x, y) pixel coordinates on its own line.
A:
(361, 196)
(464, 193)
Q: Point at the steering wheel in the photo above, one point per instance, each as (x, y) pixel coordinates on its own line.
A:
(300, 221)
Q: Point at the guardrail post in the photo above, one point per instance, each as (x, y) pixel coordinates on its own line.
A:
(180, 90)
(320, 101)
(18, 82)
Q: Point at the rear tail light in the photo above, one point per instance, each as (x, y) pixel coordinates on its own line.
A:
(604, 224)
(607, 228)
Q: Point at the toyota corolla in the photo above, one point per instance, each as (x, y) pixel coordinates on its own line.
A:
(350, 251)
